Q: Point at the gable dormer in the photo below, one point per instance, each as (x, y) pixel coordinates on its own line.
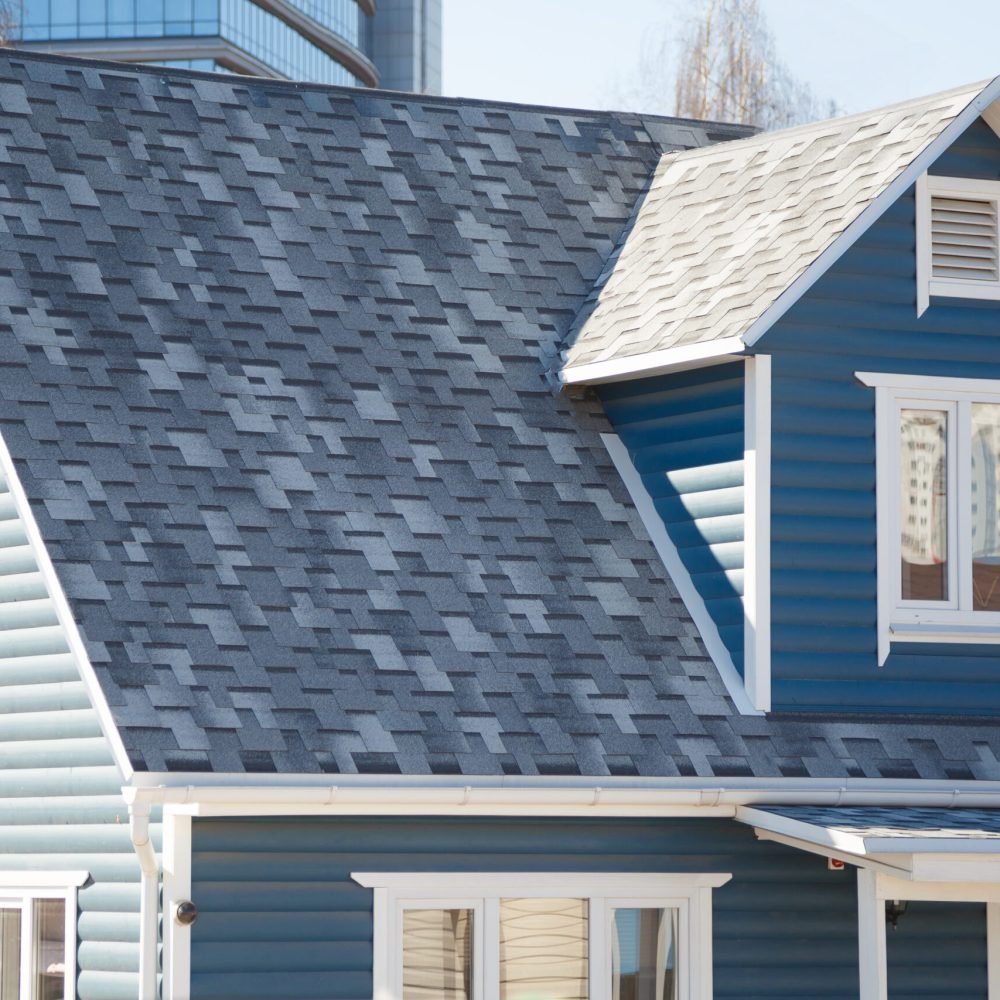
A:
(856, 262)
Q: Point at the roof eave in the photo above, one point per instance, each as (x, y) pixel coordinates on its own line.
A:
(672, 359)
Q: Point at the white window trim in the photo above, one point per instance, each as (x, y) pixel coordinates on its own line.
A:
(931, 185)
(691, 894)
(20, 890)
(909, 621)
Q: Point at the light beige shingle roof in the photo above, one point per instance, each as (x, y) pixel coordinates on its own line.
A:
(725, 230)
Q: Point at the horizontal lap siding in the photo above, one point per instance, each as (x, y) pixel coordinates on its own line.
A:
(685, 436)
(861, 316)
(60, 794)
(938, 952)
(279, 916)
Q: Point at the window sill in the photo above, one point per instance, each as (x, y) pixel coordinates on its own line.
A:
(944, 633)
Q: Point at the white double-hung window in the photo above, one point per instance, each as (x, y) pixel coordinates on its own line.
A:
(938, 499)
(542, 936)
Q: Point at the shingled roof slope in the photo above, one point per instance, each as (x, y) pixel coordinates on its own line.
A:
(725, 231)
(271, 371)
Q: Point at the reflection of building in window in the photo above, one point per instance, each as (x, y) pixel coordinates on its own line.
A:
(985, 502)
(924, 528)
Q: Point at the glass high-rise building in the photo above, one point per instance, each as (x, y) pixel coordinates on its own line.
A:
(370, 43)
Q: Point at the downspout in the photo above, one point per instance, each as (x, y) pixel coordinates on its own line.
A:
(138, 818)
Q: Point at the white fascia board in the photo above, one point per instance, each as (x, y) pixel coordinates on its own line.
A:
(895, 867)
(980, 104)
(65, 616)
(679, 575)
(670, 359)
(821, 836)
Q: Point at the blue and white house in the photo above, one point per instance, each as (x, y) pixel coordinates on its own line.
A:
(455, 550)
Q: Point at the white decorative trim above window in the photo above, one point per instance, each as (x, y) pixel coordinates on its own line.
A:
(471, 935)
(38, 913)
(958, 253)
(938, 509)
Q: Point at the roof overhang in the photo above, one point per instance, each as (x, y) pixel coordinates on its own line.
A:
(917, 845)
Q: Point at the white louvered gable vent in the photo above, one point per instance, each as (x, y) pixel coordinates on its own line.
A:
(958, 239)
(964, 238)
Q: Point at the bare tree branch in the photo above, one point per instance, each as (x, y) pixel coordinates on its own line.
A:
(722, 64)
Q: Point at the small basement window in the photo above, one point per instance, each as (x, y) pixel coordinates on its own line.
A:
(958, 239)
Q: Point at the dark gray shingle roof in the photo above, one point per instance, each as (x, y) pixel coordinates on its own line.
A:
(271, 369)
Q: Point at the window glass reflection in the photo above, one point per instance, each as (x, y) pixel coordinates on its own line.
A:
(985, 512)
(10, 953)
(644, 955)
(543, 949)
(924, 504)
(50, 949)
(243, 23)
(437, 954)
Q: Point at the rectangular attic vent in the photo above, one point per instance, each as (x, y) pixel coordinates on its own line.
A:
(958, 239)
(964, 238)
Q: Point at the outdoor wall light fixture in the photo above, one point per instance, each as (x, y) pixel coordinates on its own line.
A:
(186, 913)
(894, 909)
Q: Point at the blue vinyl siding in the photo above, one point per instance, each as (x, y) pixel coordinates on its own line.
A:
(861, 316)
(933, 945)
(685, 435)
(280, 916)
(61, 806)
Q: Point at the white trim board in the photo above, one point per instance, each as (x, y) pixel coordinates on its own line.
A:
(670, 359)
(678, 573)
(757, 532)
(65, 615)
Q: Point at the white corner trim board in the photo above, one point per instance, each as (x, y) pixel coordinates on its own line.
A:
(176, 889)
(757, 532)
(64, 614)
(678, 573)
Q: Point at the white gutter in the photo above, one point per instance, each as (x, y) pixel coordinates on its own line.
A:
(138, 816)
(248, 795)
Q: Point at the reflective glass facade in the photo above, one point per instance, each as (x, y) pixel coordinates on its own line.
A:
(240, 22)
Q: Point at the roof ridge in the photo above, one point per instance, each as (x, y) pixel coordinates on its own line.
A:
(129, 68)
(973, 89)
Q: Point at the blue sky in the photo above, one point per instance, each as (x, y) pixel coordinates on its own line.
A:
(583, 53)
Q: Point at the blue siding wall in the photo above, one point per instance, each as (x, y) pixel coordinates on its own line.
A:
(280, 916)
(861, 316)
(924, 933)
(61, 806)
(685, 435)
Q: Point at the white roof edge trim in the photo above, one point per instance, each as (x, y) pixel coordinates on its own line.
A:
(819, 835)
(744, 799)
(679, 575)
(973, 110)
(653, 363)
(587, 883)
(63, 612)
(858, 844)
